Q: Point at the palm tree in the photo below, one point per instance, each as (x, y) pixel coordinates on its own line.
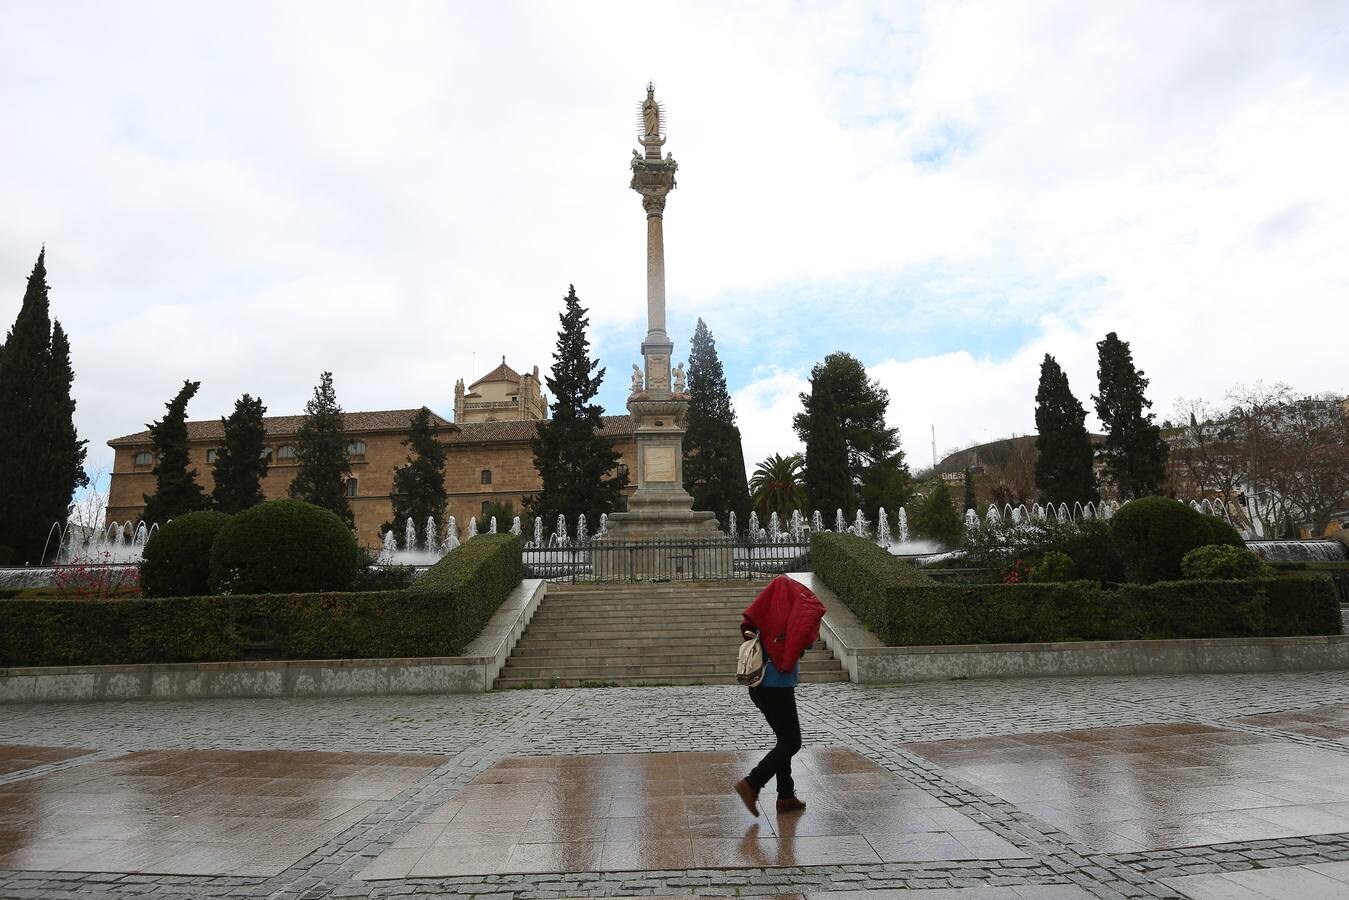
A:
(776, 486)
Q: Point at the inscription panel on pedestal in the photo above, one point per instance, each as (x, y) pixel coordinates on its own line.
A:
(660, 463)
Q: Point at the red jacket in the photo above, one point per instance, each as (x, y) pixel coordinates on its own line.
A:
(787, 616)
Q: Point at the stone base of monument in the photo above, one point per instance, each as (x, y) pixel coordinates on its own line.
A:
(661, 537)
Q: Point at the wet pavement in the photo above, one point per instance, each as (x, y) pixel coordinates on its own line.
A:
(1217, 786)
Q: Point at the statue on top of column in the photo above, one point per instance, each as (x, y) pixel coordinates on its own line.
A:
(651, 112)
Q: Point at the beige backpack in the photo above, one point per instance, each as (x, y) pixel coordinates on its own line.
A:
(749, 668)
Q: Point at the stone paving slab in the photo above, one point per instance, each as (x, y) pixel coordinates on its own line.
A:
(1326, 881)
(17, 757)
(474, 733)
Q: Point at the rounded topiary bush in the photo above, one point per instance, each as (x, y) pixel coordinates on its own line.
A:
(176, 562)
(1054, 566)
(1222, 562)
(1153, 534)
(284, 547)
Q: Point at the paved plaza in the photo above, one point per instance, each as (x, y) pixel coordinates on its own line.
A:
(1200, 786)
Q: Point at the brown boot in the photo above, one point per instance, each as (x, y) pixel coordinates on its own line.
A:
(749, 795)
(790, 805)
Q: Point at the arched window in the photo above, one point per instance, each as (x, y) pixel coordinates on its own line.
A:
(351, 487)
(144, 458)
(356, 448)
(287, 451)
(486, 476)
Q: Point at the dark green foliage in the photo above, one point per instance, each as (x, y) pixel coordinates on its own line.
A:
(1217, 562)
(971, 501)
(828, 484)
(284, 546)
(1153, 535)
(176, 488)
(419, 487)
(41, 456)
(1135, 454)
(1063, 463)
(321, 453)
(177, 560)
(905, 611)
(384, 578)
(937, 517)
(714, 462)
(572, 459)
(240, 464)
(439, 617)
(875, 469)
(1054, 566)
(778, 487)
(505, 513)
(1089, 544)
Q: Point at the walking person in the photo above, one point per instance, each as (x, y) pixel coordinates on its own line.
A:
(786, 618)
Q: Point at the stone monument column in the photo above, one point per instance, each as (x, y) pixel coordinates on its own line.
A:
(660, 507)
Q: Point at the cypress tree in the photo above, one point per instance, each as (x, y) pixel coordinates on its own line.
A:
(874, 463)
(241, 464)
(714, 461)
(828, 486)
(937, 517)
(419, 487)
(41, 456)
(971, 498)
(321, 453)
(572, 459)
(1063, 465)
(1135, 454)
(176, 488)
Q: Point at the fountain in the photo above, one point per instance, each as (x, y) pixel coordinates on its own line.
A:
(492, 525)
(515, 526)
(538, 532)
(754, 527)
(860, 526)
(472, 529)
(882, 528)
(903, 524)
(581, 528)
(816, 522)
(840, 525)
(971, 519)
(604, 525)
(451, 535)
(774, 528)
(1300, 551)
(797, 526)
(730, 523)
(560, 533)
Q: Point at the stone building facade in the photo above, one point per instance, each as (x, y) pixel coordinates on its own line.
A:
(486, 462)
(502, 395)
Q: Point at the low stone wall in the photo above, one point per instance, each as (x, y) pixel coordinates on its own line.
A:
(869, 662)
(473, 672)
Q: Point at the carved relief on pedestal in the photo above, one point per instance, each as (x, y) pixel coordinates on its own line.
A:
(660, 463)
(658, 372)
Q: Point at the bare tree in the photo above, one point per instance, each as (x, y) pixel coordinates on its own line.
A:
(1207, 457)
(1010, 469)
(1294, 445)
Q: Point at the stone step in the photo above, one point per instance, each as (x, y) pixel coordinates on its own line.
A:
(677, 632)
(644, 617)
(813, 662)
(644, 680)
(530, 645)
(516, 669)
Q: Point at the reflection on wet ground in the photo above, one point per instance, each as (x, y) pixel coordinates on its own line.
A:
(621, 812)
(17, 757)
(1330, 722)
(1156, 786)
(195, 812)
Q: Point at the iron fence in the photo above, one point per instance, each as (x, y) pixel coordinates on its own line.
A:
(664, 560)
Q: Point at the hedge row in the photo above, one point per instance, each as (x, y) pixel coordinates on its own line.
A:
(904, 612)
(439, 616)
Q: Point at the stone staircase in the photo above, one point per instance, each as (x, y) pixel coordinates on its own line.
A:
(684, 633)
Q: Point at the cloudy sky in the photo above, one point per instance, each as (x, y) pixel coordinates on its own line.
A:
(251, 193)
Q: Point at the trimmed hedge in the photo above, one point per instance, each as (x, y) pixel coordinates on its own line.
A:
(1220, 561)
(439, 618)
(1154, 533)
(177, 560)
(904, 612)
(284, 546)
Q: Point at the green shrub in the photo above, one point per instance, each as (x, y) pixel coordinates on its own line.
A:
(1217, 562)
(436, 618)
(284, 546)
(384, 578)
(1090, 544)
(177, 560)
(937, 517)
(1054, 566)
(858, 570)
(1153, 534)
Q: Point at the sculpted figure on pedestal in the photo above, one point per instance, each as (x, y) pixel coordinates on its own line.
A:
(679, 378)
(638, 382)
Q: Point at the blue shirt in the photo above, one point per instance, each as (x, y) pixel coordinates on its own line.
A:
(775, 679)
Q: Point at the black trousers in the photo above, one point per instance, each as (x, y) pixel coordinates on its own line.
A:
(778, 705)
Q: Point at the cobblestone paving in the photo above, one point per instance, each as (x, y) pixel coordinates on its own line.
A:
(475, 732)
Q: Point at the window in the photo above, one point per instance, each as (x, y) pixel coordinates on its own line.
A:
(486, 504)
(144, 458)
(351, 487)
(486, 476)
(266, 453)
(356, 448)
(212, 455)
(286, 452)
